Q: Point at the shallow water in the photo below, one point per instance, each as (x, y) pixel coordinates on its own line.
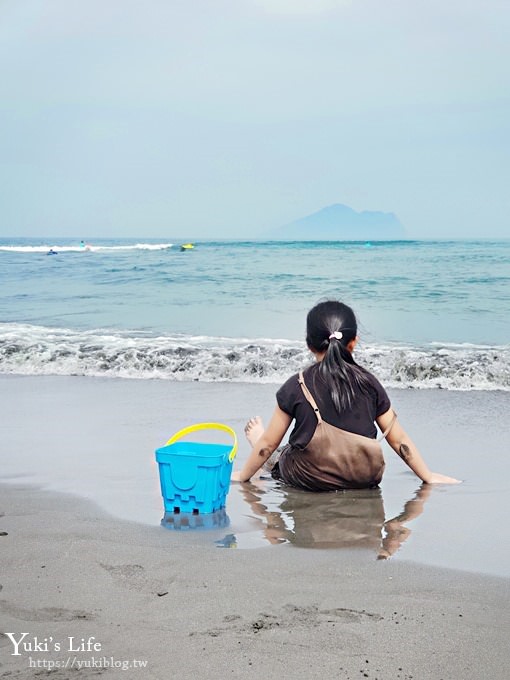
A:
(96, 438)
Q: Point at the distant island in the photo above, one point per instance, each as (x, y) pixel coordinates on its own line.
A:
(340, 223)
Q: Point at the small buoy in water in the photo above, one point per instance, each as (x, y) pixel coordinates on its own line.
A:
(187, 246)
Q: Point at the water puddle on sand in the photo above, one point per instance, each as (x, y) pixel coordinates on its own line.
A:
(266, 513)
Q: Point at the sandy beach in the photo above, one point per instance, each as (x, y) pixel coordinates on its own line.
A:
(183, 185)
(96, 583)
(70, 575)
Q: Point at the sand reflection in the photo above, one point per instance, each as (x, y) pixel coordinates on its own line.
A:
(347, 519)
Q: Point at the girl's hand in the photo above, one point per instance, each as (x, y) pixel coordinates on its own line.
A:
(436, 478)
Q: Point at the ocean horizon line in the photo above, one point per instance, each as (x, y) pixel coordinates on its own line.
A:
(257, 239)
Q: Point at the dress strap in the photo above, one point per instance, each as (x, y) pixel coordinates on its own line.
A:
(313, 404)
(309, 398)
(387, 430)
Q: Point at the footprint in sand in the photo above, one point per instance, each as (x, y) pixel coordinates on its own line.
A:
(45, 613)
(56, 673)
(125, 571)
(134, 577)
(318, 617)
(291, 617)
(350, 615)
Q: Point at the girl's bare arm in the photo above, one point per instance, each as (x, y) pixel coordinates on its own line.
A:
(404, 446)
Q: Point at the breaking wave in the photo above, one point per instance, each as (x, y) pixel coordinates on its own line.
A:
(86, 248)
(37, 350)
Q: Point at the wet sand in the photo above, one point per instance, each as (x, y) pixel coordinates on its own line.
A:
(307, 600)
(189, 610)
(96, 438)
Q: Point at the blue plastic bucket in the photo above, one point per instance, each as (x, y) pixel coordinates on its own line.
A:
(195, 476)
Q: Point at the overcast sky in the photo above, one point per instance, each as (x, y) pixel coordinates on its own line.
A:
(208, 118)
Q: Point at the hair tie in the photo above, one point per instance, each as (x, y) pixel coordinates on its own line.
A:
(338, 335)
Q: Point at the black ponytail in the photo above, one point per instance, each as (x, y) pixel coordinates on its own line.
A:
(340, 372)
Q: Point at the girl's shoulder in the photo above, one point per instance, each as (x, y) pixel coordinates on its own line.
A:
(379, 394)
(371, 377)
(290, 392)
(291, 384)
(293, 381)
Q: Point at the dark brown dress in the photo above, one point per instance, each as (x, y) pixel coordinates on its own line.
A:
(334, 459)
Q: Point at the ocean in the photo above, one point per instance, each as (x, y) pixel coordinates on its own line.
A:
(432, 314)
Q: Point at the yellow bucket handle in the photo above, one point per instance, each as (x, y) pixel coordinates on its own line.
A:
(206, 426)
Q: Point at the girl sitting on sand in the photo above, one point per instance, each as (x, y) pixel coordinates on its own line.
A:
(333, 404)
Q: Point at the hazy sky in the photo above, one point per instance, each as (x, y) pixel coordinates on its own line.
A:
(230, 117)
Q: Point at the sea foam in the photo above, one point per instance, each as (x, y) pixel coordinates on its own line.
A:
(83, 249)
(37, 350)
